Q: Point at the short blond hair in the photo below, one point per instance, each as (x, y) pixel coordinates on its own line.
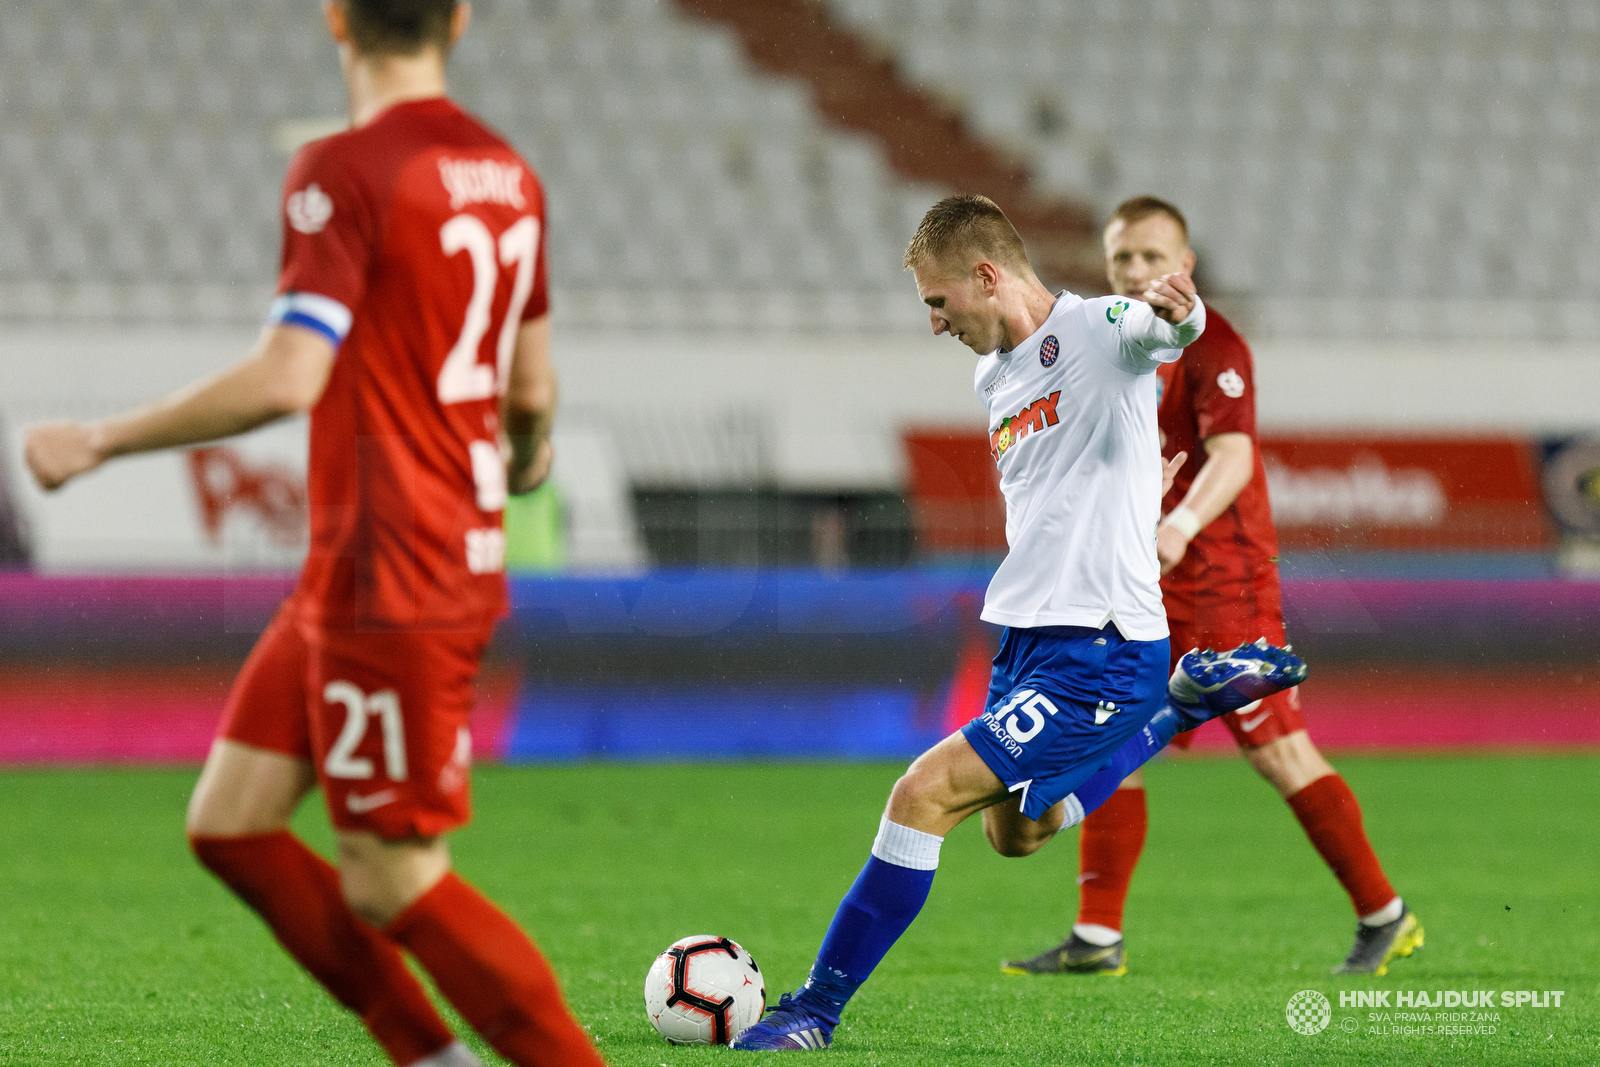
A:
(1142, 207)
(966, 224)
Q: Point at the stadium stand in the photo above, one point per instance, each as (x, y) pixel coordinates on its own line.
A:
(145, 141)
(1372, 167)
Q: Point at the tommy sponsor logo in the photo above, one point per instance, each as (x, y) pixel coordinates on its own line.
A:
(482, 181)
(1036, 416)
(309, 209)
(361, 803)
(1048, 351)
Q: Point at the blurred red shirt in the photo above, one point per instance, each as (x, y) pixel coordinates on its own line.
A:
(416, 244)
(1229, 576)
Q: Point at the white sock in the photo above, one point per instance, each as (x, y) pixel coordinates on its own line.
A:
(1096, 934)
(1386, 914)
(455, 1054)
(905, 847)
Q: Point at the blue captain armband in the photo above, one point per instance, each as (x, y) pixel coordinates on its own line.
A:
(318, 313)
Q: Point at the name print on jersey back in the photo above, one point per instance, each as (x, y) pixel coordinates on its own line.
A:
(482, 181)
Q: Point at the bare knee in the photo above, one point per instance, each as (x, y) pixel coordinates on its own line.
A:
(1014, 835)
(946, 784)
(1290, 763)
(380, 879)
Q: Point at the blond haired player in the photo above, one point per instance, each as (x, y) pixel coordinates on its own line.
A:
(1218, 552)
(1079, 696)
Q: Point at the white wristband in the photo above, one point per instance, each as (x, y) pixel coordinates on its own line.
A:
(1184, 521)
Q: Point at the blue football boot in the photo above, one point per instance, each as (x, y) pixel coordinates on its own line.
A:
(1208, 684)
(787, 1027)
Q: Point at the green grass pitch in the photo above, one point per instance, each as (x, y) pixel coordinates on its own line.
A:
(116, 948)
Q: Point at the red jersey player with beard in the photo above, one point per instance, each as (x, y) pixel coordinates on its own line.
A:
(1218, 552)
(412, 323)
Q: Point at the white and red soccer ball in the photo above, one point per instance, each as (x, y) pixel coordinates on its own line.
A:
(704, 991)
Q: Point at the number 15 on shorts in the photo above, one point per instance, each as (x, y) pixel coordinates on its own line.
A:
(1006, 722)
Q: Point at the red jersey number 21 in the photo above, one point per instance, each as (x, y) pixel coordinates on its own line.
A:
(462, 377)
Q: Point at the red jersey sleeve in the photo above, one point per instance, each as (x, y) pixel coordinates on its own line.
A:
(538, 304)
(330, 235)
(1222, 386)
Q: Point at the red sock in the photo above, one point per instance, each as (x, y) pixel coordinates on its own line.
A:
(1108, 850)
(494, 975)
(1332, 818)
(297, 893)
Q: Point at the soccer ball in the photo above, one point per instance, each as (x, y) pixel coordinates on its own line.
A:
(704, 991)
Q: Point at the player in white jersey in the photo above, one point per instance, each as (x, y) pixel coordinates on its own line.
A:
(1079, 695)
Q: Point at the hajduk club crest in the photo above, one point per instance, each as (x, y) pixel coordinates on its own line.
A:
(1049, 350)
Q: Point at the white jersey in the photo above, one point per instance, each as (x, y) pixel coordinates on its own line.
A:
(1072, 426)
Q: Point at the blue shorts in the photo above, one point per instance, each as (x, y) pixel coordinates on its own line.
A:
(1062, 700)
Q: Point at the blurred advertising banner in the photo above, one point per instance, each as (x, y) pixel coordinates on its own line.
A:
(741, 663)
(1398, 493)
(954, 492)
(1347, 492)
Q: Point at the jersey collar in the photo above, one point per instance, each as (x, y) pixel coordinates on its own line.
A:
(1005, 355)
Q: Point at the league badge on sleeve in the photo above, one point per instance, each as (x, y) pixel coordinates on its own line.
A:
(1049, 350)
(309, 209)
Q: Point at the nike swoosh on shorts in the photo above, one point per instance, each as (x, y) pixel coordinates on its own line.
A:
(360, 804)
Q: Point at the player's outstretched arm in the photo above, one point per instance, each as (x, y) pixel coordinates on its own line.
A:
(529, 407)
(284, 376)
(1229, 466)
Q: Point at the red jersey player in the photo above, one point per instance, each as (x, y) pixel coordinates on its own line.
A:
(411, 322)
(1218, 552)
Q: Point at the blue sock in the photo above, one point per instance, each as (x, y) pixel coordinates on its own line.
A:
(1135, 752)
(886, 896)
